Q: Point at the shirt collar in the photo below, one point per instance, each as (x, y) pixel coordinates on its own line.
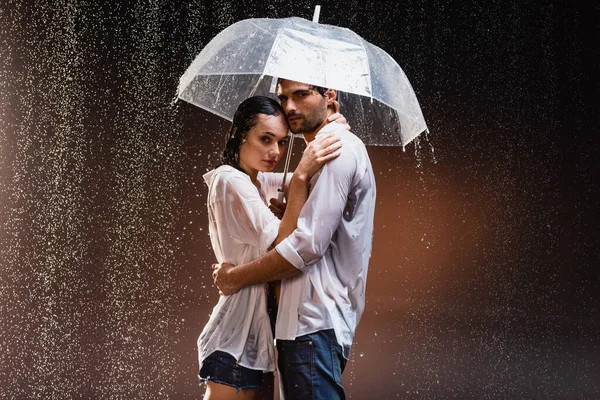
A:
(209, 176)
(330, 127)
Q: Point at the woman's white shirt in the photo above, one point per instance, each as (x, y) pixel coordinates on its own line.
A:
(241, 228)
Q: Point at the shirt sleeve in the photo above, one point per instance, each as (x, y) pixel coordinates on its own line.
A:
(239, 207)
(322, 212)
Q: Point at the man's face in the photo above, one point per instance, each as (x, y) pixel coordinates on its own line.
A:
(305, 109)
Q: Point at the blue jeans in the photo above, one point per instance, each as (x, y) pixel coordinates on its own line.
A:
(310, 367)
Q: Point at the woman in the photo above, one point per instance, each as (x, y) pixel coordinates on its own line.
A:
(236, 346)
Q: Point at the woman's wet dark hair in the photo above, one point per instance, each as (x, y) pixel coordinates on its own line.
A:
(244, 119)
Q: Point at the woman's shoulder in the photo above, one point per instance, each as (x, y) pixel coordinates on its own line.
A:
(226, 178)
(227, 173)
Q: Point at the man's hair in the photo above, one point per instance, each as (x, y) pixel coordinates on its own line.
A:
(244, 119)
(319, 89)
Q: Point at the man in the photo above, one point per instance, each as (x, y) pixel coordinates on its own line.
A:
(323, 263)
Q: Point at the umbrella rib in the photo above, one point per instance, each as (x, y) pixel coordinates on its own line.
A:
(258, 26)
(258, 81)
(275, 41)
(360, 40)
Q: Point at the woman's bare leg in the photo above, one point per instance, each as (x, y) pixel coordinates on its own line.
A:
(218, 391)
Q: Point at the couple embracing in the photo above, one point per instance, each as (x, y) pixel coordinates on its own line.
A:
(292, 272)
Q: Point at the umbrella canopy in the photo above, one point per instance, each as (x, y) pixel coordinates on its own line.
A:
(246, 58)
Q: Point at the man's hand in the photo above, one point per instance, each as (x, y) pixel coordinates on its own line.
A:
(222, 279)
(337, 117)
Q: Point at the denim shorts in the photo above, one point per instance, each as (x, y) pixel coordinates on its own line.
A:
(221, 367)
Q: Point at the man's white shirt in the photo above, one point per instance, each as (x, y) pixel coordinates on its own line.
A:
(331, 246)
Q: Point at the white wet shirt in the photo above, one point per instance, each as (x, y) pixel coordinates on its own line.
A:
(241, 229)
(331, 246)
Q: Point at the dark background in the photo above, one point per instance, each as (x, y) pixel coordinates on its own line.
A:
(483, 282)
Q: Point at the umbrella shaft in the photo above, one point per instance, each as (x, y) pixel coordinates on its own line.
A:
(288, 157)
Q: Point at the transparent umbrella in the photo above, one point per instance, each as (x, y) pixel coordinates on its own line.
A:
(246, 58)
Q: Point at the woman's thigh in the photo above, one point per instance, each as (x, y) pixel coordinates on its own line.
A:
(218, 391)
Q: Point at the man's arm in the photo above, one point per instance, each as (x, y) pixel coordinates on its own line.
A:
(270, 267)
(323, 212)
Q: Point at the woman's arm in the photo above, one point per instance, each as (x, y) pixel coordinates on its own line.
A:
(322, 149)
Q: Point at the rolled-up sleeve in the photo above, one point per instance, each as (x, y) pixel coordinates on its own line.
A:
(321, 214)
(241, 211)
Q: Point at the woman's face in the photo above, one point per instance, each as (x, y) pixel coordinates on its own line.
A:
(264, 144)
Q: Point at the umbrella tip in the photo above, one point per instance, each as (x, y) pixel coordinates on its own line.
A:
(316, 14)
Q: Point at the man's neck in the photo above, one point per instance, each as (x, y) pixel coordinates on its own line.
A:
(310, 136)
